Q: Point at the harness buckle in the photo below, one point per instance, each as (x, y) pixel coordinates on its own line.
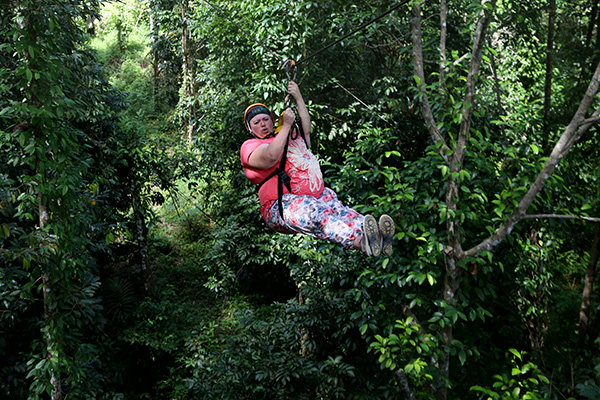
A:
(285, 178)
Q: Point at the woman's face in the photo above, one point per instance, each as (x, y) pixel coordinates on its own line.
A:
(261, 125)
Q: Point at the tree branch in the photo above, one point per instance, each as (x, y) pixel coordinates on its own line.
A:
(456, 163)
(443, 34)
(460, 59)
(560, 216)
(403, 386)
(572, 133)
(590, 277)
(593, 119)
(467, 111)
(417, 39)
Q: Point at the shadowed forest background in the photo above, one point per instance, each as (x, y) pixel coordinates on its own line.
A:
(134, 263)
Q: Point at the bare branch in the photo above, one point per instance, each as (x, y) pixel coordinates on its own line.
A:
(460, 59)
(592, 120)
(588, 286)
(560, 216)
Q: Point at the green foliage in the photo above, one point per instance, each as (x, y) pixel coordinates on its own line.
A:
(118, 298)
(397, 348)
(54, 94)
(265, 359)
(228, 309)
(66, 177)
(122, 44)
(525, 381)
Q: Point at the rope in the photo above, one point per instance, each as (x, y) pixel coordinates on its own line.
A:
(363, 26)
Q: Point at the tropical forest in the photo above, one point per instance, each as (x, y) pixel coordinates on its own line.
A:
(135, 262)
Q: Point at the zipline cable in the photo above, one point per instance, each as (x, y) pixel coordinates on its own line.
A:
(363, 26)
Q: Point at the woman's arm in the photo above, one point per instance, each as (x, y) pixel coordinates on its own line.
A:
(294, 91)
(267, 155)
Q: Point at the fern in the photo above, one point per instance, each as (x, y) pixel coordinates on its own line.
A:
(119, 298)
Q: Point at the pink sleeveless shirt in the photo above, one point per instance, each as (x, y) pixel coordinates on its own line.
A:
(301, 165)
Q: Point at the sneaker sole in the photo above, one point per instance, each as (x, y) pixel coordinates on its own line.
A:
(370, 230)
(387, 229)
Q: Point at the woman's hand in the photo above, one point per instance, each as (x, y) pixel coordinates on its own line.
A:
(289, 117)
(303, 115)
(294, 91)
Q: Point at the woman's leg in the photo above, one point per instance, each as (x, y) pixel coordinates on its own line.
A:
(323, 218)
(350, 216)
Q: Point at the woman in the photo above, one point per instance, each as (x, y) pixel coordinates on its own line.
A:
(306, 205)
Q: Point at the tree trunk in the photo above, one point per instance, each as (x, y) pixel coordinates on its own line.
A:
(153, 41)
(587, 68)
(591, 24)
(303, 331)
(443, 34)
(590, 276)
(417, 42)
(403, 386)
(185, 62)
(51, 344)
(536, 324)
(188, 72)
(140, 228)
(119, 26)
(497, 90)
(454, 251)
(51, 341)
(43, 219)
(91, 25)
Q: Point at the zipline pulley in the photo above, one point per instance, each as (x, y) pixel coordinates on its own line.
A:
(291, 69)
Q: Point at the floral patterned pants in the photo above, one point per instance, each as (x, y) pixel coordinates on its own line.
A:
(324, 218)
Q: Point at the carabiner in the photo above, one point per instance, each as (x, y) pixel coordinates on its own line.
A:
(290, 69)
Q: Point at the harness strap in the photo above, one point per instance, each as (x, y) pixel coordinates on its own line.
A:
(282, 177)
(298, 129)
